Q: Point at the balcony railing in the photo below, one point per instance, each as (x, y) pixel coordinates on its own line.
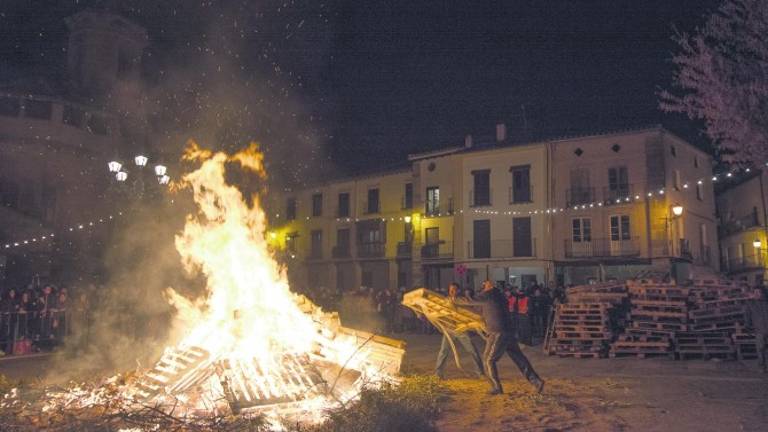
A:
(442, 209)
(370, 250)
(603, 248)
(502, 248)
(483, 199)
(525, 198)
(578, 196)
(441, 250)
(754, 261)
(617, 194)
(734, 225)
(371, 207)
(404, 249)
(341, 252)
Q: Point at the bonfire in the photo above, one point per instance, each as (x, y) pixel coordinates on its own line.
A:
(251, 348)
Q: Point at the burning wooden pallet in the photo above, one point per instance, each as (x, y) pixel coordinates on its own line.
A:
(282, 381)
(440, 311)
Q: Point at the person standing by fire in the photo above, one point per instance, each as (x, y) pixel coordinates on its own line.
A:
(461, 338)
(500, 338)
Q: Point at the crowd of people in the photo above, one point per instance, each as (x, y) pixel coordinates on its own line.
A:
(33, 318)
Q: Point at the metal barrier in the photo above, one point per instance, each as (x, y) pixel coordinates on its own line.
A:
(21, 331)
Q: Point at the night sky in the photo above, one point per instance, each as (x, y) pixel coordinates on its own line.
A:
(376, 80)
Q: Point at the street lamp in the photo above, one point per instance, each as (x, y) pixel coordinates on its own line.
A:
(757, 243)
(407, 219)
(160, 170)
(163, 179)
(677, 210)
(121, 176)
(114, 166)
(141, 160)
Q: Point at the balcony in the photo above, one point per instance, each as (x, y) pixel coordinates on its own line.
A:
(739, 224)
(523, 196)
(436, 251)
(579, 196)
(373, 207)
(617, 194)
(480, 200)
(370, 250)
(752, 262)
(441, 209)
(603, 248)
(341, 252)
(404, 249)
(502, 248)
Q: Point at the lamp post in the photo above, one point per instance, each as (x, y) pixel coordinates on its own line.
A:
(757, 244)
(124, 179)
(677, 211)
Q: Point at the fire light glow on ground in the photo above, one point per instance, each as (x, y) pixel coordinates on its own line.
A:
(251, 346)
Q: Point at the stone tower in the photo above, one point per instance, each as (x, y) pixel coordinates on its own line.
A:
(104, 53)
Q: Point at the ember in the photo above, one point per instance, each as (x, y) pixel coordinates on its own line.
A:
(251, 345)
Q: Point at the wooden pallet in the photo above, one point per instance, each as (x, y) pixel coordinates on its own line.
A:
(662, 326)
(595, 355)
(662, 317)
(641, 355)
(704, 355)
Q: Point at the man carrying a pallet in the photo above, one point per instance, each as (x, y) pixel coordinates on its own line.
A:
(449, 340)
(757, 318)
(500, 337)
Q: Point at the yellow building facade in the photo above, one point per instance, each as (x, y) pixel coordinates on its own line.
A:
(742, 211)
(561, 211)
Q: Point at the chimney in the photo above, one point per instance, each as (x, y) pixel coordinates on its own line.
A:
(501, 132)
(468, 141)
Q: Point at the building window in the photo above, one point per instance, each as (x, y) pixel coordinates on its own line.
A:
(700, 191)
(316, 244)
(97, 124)
(290, 209)
(367, 278)
(408, 196)
(581, 230)
(522, 243)
(677, 180)
(618, 183)
(290, 242)
(521, 184)
(673, 150)
(343, 210)
(695, 161)
(481, 194)
(580, 192)
(433, 201)
(620, 228)
(73, 116)
(373, 201)
(317, 204)
(481, 235)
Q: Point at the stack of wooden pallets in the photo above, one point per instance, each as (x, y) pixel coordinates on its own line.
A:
(610, 293)
(581, 330)
(745, 344)
(717, 305)
(657, 311)
(704, 345)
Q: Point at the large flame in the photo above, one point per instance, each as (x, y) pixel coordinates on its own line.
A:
(248, 310)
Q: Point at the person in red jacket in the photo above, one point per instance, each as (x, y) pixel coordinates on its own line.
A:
(518, 307)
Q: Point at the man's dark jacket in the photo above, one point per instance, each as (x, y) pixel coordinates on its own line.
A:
(494, 307)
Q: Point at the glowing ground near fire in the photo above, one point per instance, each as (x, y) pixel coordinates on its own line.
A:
(251, 346)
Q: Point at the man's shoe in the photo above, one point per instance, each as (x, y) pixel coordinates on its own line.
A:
(494, 392)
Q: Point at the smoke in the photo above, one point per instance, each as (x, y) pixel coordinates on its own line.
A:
(213, 74)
